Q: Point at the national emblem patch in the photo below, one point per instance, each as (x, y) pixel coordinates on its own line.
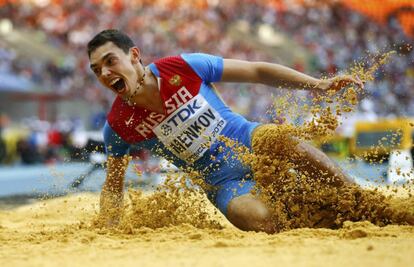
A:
(175, 80)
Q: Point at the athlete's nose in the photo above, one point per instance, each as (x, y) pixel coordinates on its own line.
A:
(105, 71)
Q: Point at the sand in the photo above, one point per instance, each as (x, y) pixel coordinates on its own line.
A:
(58, 232)
(172, 230)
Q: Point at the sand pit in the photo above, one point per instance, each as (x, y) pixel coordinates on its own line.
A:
(172, 232)
(57, 232)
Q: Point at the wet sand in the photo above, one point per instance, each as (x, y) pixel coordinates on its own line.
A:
(57, 232)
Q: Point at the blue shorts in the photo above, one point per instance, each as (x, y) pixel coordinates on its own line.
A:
(222, 194)
(228, 176)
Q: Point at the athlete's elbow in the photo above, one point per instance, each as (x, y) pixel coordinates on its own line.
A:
(263, 73)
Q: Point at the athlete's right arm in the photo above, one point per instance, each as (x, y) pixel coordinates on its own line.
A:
(111, 202)
(281, 76)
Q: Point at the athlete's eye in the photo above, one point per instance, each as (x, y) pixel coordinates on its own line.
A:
(111, 61)
(97, 71)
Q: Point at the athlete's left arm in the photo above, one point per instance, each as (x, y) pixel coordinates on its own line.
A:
(280, 76)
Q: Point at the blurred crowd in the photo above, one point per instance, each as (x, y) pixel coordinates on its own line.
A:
(334, 36)
(37, 141)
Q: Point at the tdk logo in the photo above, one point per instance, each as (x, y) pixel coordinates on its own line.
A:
(172, 105)
(184, 113)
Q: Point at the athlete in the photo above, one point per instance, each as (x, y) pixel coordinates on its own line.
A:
(171, 108)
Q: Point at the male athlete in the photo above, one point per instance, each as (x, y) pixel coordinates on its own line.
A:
(171, 108)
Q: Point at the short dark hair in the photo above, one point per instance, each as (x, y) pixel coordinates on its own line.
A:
(117, 37)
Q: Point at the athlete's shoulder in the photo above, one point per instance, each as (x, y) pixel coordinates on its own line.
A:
(200, 56)
(191, 59)
(208, 67)
(175, 69)
(169, 60)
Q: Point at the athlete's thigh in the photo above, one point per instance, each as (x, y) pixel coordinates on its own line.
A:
(269, 139)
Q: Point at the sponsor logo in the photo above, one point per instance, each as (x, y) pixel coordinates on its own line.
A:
(166, 129)
(129, 121)
(189, 130)
(184, 113)
(188, 127)
(178, 99)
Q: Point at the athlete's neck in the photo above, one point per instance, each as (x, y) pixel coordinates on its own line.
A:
(148, 96)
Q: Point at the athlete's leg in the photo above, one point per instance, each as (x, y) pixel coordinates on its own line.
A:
(307, 158)
(249, 213)
(244, 210)
(313, 161)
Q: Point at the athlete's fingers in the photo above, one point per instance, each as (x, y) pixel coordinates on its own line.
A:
(346, 80)
(354, 80)
(359, 82)
(338, 83)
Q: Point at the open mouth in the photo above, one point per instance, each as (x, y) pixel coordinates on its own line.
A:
(118, 85)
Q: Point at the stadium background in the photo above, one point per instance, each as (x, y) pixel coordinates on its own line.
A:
(51, 104)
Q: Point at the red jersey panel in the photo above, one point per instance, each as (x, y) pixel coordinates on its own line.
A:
(178, 84)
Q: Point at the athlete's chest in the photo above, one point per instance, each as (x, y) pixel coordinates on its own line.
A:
(188, 121)
(176, 109)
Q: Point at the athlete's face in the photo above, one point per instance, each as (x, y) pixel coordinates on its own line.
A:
(115, 69)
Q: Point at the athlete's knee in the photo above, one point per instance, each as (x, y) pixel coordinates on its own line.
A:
(249, 213)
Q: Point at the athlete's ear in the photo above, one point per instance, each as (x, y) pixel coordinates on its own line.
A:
(135, 55)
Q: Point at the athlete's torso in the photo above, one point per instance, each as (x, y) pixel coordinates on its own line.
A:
(194, 116)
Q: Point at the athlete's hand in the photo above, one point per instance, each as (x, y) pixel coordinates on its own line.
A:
(108, 219)
(111, 208)
(338, 83)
